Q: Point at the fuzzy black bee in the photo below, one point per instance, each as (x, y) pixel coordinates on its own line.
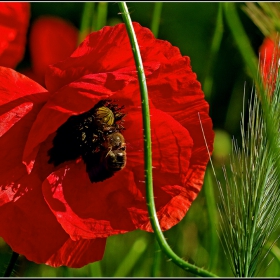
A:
(111, 158)
(116, 155)
(96, 137)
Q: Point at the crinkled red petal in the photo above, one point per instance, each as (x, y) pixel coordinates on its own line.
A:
(30, 228)
(176, 87)
(14, 21)
(27, 224)
(22, 208)
(87, 210)
(52, 39)
(172, 151)
(109, 50)
(20, 101)
(76, 254)
(118, 204)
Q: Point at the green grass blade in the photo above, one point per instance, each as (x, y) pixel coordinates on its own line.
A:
(87, 16)
(101, 16)
(156, 18)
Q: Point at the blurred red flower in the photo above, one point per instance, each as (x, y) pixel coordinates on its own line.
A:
(14, 21)
(51, 39)
(269, 62)
(55, 215)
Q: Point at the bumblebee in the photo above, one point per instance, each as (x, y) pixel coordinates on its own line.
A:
(110, 159)
(116, 155)
(96, 137)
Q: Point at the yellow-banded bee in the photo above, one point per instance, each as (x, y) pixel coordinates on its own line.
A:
(95, 136)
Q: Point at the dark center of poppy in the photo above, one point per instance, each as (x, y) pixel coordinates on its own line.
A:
(95, 136)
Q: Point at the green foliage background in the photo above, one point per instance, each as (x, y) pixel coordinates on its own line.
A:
(190, 26)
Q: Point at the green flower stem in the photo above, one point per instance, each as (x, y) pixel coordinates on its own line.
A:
(156, 18)
(148, 154)
(11, 265)
(88, 14)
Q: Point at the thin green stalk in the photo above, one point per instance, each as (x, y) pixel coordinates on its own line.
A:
(88, 14)
(252, 230)
(148, 154)
(216, 42)
(274, 250)
(11, 265)
(156, 260)
(156, 18)
(101, 16)
(242, 40)
(94, 269)
(132, 257)
(212, 216)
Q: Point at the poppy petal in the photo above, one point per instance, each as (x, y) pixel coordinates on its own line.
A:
(31, 229)
(109, 50)
(89, 213)
(22, 211)
(172, 151)
(20, 101)
(176, 87)
(51, 39)
(14, 21)
(79, 253)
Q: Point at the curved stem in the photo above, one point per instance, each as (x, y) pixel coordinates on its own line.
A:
(11, 264)
(148, 153)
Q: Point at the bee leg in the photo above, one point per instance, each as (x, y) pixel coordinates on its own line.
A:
(109, 151)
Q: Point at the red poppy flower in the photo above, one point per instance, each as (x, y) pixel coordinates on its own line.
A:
(56, 213)
(14, 21)
(51, 39)
(269, 60)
